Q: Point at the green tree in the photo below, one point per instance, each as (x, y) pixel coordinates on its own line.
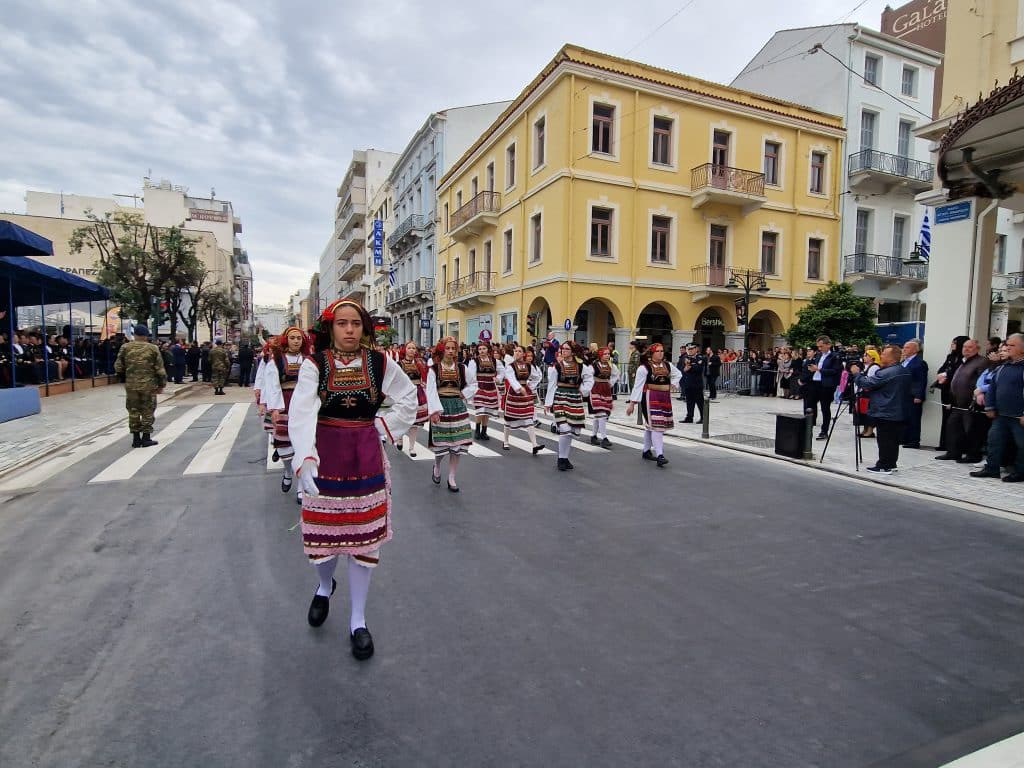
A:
(835, 312)
(219, 304)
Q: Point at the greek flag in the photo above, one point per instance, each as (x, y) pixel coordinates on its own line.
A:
(926, 237)
(392, 280)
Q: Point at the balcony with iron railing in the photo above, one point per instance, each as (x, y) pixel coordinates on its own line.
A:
(408, 232)
(469, 220)
(712, 183)
(883, 170)
(885, 269)
(471, 290)
(1015, 281)
(415, 292)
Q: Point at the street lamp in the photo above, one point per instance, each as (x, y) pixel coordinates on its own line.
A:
(748, 280)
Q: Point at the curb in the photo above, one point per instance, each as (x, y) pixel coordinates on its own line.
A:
(39, 455)
(823, 468)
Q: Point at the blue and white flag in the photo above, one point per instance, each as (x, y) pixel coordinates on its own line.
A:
(925, 245)
(392, 281)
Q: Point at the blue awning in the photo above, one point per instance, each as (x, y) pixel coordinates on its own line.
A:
(28, 276)
(18, 241)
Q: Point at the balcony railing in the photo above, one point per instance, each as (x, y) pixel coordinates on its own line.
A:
(1015, 281)
(476, 282)
(411, 290)
(726, 178)
(891, 165)
(411, 225)
(877, 265)
(714, 276)
(485, 202)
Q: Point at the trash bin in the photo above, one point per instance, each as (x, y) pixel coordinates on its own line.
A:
(789, 435)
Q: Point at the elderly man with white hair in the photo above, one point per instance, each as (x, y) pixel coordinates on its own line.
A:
(1004, 405)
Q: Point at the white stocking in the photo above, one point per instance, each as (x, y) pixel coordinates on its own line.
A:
(358, 588)
(564, 442)
(453, 464)
(647, 440)
(505, 433)
(658, 440)
(325, 570)
(532, 432)
(412, 437)
(601, 426)
(287, 469)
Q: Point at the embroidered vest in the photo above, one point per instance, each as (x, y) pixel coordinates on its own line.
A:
(412, 370)
(287, 371)
(569, 374)
(522, 371)
(450, 383)
(602, 371)
(351, 392)
(658, 373)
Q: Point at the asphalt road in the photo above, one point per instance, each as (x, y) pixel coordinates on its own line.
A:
(723, 611)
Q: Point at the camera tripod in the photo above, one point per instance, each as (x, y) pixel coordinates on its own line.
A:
(858, 454)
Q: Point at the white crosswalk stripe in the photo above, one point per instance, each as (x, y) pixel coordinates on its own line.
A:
(126, 467)
(215, 451)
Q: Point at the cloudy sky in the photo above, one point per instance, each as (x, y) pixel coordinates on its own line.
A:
(265, 100)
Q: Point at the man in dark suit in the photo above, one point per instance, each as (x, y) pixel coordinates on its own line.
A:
(918, 370)
(245, 358)
(824, 372)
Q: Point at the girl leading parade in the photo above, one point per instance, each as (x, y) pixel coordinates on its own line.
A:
(293, 346)
(569, 382)
(449, 386)
(339, 457)
(652, 389)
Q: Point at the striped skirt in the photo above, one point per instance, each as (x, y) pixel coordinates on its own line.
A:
(422, 412)
(657, 410)
(486, 401)
(282, 442)
(568, 408)
(519, 408)
(352, 513)
(454, 433)
(601, 399)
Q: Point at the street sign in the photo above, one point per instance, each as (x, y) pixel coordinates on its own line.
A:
(568, 324)
(485, 335)
(946, 214)
(378, 243)
(424, 325)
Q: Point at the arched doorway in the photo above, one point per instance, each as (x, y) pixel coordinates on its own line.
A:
(595, 321)
(764, 327)
(655, 324)
(541, 311)
(710, 330)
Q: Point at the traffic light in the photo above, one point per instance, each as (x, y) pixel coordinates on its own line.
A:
(163, 314)
(531, 326)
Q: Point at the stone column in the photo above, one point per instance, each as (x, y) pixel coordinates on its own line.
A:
(734, 340)
(959, 293)
(622, 338)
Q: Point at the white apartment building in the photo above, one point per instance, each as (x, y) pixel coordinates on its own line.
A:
(377, 279)
(884, 89)
(366, 174)
(272, 318)
(442, 138)
(328, 280)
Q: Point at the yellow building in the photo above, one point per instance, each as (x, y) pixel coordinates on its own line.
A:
(624, 199)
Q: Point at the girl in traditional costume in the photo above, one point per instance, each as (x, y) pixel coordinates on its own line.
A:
(606, 376)
(450, 384)
(279, 378)
(488, 372)
(521, 380)
(652, 389)
(339, 456)
(416, 370)
(569, 381)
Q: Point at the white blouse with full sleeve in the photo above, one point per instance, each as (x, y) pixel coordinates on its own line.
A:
(305, 407)
(270, 392)
(434, 400)
(531, 382)
(586, 383)
(641, 379)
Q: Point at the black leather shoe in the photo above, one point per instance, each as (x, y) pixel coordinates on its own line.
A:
(453, 488)
(568, 464)
(947, 457)
(594, 440)
(985, 473)
(969, 459)
(146, 441)
(275, 457)
(320, 607)
(686, 421)
(136, 439)
(911, 445)
(435, 478)
(537, 449)
(662, 461)
(821, 437)
(362, 644)
(286, 484)
(1014, 477)
(563, 465)
(606, 443)
(647, 455)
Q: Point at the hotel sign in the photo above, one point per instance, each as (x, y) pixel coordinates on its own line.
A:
(925, 15)
(201, 214)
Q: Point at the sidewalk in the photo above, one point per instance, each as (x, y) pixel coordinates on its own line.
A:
(748, 424)
(66, 419)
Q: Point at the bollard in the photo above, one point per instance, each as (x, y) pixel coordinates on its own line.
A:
(705, 428)
(808, 435)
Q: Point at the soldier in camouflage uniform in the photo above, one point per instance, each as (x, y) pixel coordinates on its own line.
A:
(220, 364)
(141, 368)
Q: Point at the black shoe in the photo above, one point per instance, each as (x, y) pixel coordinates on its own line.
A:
(537, 449)
(606, 443)
(647, 455)
(398, 445)
(1014, 477)
(594, 440)
(453, 488)
(476, 432)
(968, 460)
(484, 435)
(435, 478)
(298, 498)
(985, 473)
(286, 484)
(146, 441)
(699, 421)
(136, 439)
(275, 457)
(362, 644)
(688, 420)
(822, 436)
(947, 457)
(554, 429)
(662, 461)
(563, 465)
(505, 447)
(320, 607)
(911, 445)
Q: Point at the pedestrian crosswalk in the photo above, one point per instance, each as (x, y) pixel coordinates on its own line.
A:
(213, 439)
